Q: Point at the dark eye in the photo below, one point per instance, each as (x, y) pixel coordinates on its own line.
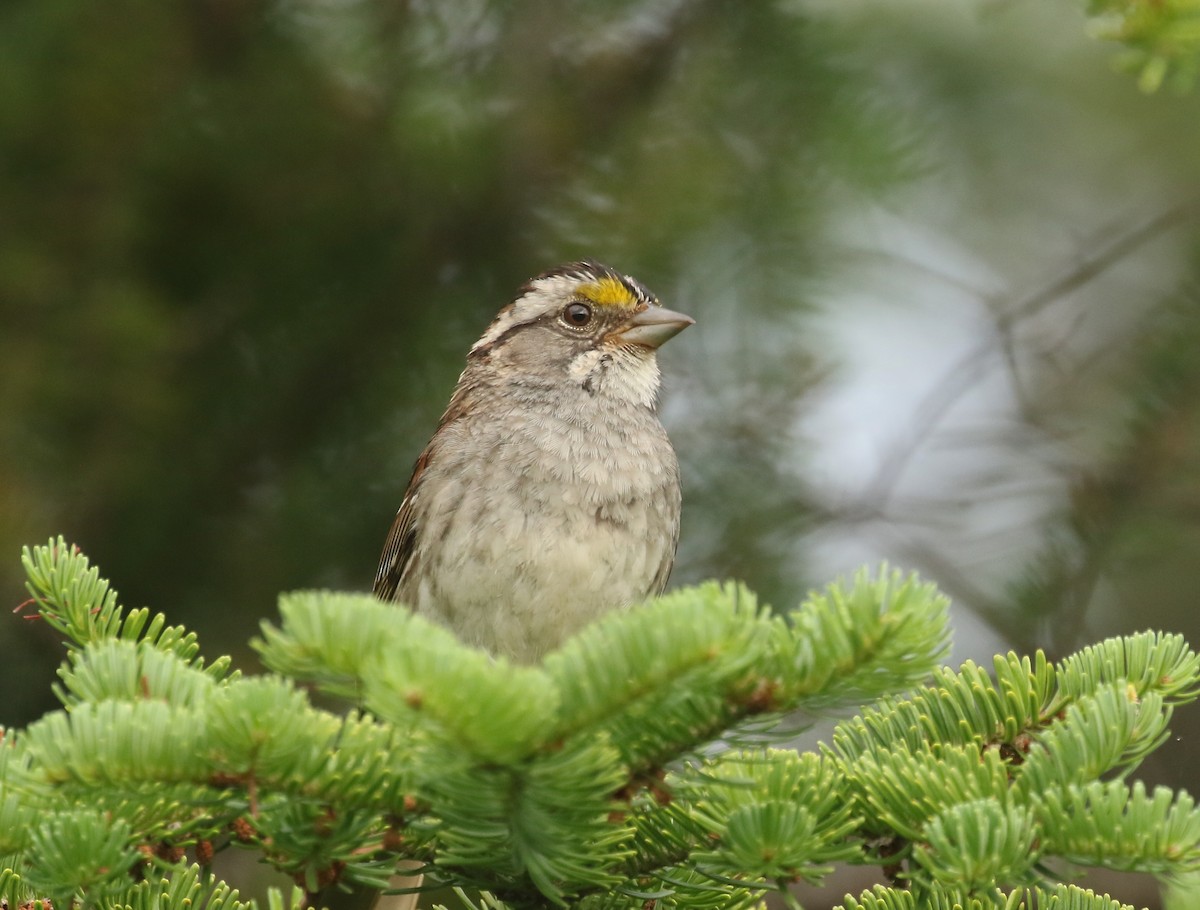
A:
(577, 314)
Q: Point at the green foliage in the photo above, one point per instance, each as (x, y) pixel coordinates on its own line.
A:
(774, 815)
(1162, 39)
(1110, 824)
(71, 596)
(1063, 897)
(79, 851)
(974, 843)
(974, 780)
(181, 886)
(627, 768)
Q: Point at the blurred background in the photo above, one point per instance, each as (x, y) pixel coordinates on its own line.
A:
(944, 259)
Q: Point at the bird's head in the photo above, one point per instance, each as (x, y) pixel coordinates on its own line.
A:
(584, 323)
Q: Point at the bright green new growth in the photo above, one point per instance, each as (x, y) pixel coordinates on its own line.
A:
(633, 766)
(1162, 39)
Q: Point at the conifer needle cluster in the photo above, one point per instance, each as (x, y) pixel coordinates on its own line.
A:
(639, 766)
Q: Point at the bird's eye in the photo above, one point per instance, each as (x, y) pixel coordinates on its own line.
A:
(577, 314)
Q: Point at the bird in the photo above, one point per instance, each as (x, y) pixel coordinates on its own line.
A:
(549, 494)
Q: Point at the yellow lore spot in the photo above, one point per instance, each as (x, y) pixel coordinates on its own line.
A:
(608, 292)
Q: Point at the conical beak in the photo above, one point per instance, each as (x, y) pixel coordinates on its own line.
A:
(652, 326)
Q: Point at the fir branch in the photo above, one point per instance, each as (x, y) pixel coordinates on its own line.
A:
(13, 889)
(906, 789)
(855, 645)
(548, 822)
(960, 707)
(16, 821)
(432, 683)
(329, 638)
(1107, 731)
(664, 833)
(706, 641)
(79, 851)
(548, 784)
(317, 845)
(768, 816)
(71, 596)
(1151, 662)
(265, 727)
(128, 671)
(23, 795)
(975, 844)
(112, 741)
(367, 764)
(188, 887)
(1121, 827)
(694, 665)
(1063, 897)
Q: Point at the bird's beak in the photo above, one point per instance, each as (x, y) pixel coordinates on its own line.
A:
(651, 327)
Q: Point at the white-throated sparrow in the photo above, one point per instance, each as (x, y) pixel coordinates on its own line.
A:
(549, 493)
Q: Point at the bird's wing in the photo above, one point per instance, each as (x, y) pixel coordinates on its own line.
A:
(400, 545)
(659, 582)
(400, 548)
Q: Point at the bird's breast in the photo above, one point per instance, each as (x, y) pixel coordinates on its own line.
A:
(546, 525)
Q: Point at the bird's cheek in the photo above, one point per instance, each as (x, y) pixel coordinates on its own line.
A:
(587, 370)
